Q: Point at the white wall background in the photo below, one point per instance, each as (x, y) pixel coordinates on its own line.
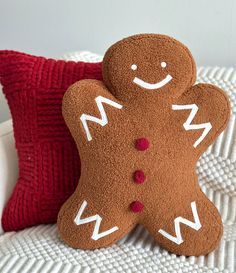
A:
(53, 27)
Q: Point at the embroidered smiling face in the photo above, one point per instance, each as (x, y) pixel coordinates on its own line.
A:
(151, 86)
(151, 64)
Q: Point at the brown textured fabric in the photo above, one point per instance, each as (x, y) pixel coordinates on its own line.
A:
(110, 157)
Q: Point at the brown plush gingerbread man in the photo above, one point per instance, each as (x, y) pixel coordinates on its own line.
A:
(139, 135)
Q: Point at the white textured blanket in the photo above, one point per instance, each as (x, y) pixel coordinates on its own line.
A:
(39, 249)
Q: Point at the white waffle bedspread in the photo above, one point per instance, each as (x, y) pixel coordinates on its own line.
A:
(39, 249)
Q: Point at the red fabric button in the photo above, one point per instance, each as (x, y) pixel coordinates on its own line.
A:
(139, 177)
(142, 144)
(136, 206)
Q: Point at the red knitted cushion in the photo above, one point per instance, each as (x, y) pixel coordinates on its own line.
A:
(48, 159)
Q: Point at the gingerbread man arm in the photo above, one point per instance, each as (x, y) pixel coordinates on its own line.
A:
(203, 110)
(88, 101)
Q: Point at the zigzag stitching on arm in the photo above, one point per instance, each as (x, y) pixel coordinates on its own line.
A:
(94, 218)
(196, 225)
(103, 120)
(188, 126)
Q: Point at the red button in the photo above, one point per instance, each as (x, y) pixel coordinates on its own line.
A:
(142, 144)
(139, 177)
(136, 206)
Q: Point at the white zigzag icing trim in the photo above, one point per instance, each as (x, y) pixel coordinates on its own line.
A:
(97, 218)
(196, 225)
(103, 120)
(188, 126)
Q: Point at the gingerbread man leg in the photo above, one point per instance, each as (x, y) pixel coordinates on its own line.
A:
(88, 223)
(189, 226)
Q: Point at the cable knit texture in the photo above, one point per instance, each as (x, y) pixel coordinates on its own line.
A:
(48, 158)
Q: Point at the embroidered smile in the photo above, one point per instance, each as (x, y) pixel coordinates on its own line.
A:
(148, 85)
(157, 85)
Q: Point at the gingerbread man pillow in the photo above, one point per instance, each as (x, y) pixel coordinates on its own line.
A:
(140, 134)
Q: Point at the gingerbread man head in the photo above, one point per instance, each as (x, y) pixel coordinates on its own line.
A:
(139, 135)
(153, 63)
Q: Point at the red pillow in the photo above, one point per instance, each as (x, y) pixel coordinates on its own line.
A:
(49, 165)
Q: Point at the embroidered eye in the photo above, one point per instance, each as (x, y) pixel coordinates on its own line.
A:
(134, 67)
(163, 64)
